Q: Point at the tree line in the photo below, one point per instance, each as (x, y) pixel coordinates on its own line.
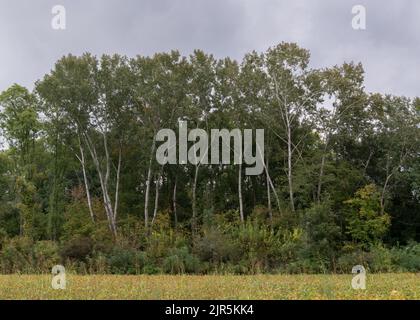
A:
(80, 182)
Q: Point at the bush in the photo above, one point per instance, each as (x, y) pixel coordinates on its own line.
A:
(366, 224)
(377, 259)
(262, 249)
(179, 261)
(98, 263)
(17, 256)
(46, 255)
(77, 249)
(78, 222)
(215, 247)
(126, 261)
(3, 237)
(322, 239)
(407, 259)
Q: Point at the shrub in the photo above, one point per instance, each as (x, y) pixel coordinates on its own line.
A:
(17, 256)
(322, 237)
(3, 237)
(98, 263)
(407, 258)
(180, 260)
(46, 255)
(367, 224)
(78, 248)
(126, 261)
(377, 259)
(215, 247)
(263, 249)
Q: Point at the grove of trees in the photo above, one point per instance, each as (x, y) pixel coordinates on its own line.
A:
(80, 184)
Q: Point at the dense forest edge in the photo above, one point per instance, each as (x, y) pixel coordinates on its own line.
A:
(80, 185)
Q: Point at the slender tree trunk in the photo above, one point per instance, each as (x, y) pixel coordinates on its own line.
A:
(382, 202)
(321, 170)
(83, 163)
(269, 180)
(174, 204)
(53, 200)
(155, 209)
(241, 205)
(157, 184)
(117, 186)
(194, 201)
(194, 194)
(107, 204)
(289, 165)
(107, 175)
(366, 165)
(103, 181)
(106, 186)
(321, 174)
(274, 191)
(270, 210)
(388, 177)
(389, 174)
(148, 181)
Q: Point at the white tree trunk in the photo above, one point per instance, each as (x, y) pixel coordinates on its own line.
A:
(241, 205)
(194, 200)
(117, 186)
(148, 182)
(270, 181)
(174, 204)
(321, 174)
(103, 181)
(289, 164)
(270, 210)
(83, 164)
(157, 184)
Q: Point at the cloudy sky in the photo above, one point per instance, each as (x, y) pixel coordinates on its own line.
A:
(389, 48)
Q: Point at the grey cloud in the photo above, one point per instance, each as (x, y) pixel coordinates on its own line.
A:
(389, 49)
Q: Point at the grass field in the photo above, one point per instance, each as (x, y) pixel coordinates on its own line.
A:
(379, 286)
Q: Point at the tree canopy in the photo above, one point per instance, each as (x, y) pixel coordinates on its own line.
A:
(79, 179)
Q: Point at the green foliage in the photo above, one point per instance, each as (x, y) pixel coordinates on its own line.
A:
(19, 118)
(366, 223)
(215, 247)
(16, 256)
(323, 237)
(407, 258)
(126, 261)
(22, 255)
(179, 261)
(78, 249)
(376, 259)
(263, 249)
(46, 255)
(79, 183)
(77, 221)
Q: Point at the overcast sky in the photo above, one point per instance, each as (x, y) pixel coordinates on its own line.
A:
(389, 48)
